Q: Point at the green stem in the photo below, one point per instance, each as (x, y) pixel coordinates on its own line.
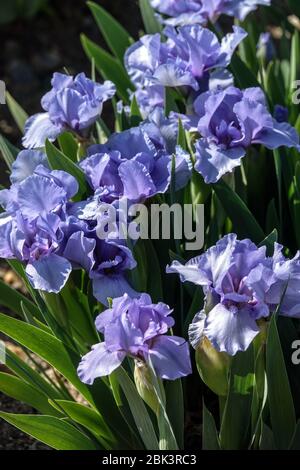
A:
(222, 404)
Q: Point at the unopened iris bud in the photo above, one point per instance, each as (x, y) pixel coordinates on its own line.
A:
(213, 367)
(144, 385)
(261, 339)
(265, 47)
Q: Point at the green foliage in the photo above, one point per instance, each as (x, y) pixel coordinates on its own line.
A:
(52, 431)
(259, 389)
(17, 112)
(114, 34)
(282, 412)
(151, 24)
(108, 66)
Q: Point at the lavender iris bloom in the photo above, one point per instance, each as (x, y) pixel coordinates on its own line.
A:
(200, 11)
(136, 328)
(32, 229)
(231, 121)
(106, 257)
(51, 235)
(135, 164)
(183, 60)
(241, 286)
(72, 104)
(191, 56)
(106, 262)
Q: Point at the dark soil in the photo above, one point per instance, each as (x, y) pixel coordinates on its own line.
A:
(10, 437)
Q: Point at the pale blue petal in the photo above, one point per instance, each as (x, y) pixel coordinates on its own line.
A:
(98, 363)
(170, 357)
(112, 286)
(213, 162)
(281, 134)
(136, 180)
(6, 228)
(49, 273)
(38, 129)
(79, 250)
(228, 45)
(25, 164)
(38, 195)
(175, 74)
(229, 331)
(196, 329)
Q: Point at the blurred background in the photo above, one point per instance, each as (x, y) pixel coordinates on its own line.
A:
(40, 37)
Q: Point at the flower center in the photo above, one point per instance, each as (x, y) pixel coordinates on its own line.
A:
(227, 132)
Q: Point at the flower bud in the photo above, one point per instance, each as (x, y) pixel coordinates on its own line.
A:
(145, 388)
(265, 47)
(213, 367)
(261, 338)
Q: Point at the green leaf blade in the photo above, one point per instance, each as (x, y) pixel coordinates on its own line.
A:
(47, 347)
(59, 161)
(244, 223)
(279, 393)
(19, 115)
(22, 391)
(151, 24)
(108, 67)
(51, 430)
(138, 410)
(116, 37)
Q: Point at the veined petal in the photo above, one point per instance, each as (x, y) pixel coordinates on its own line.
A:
(49, 273)
(99, 362)
(213, 162)
(142, 58)
(230, 331)
(281, 134)
(79, 250)
(25, 164)
(38, 195)
(242, 9)
(253, 117)
(228, 45)
(136, 180)
(38, 129)
(6, 227)
(66, 181)
(188, 272)
(196, 329)
(170, 357)
(175, 74)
